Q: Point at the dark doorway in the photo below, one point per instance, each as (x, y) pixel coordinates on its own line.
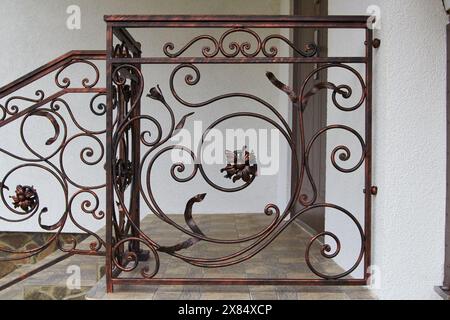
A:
(315, 116)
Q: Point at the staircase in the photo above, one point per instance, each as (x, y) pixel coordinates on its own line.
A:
(60, 77)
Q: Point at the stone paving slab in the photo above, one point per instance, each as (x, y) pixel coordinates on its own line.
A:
(284, 258)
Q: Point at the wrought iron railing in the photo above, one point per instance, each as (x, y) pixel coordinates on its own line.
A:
(26, 203)
(125, 76)
(128, 150)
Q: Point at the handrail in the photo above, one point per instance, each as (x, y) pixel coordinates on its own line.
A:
(49, 99)
(227, 21)
(235, 18)
(9, 115)
(125, 37)
(50, 67)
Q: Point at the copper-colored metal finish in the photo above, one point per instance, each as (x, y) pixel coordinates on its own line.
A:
(129, 151)
(35, 271)
(109, 160)
(241, 165)
(240, 60)
(236, 21)
(26, 198)
(50, 67)
(185, 59)
(124, 173)
(373, 190)
(239, 282)
(235, 49)
(54, 108)
(376, 43)
(368, 158)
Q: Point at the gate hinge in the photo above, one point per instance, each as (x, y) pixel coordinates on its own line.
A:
(376, 43)
(373, 190)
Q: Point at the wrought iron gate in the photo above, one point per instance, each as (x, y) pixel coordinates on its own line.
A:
(124, 63)
(129, 149)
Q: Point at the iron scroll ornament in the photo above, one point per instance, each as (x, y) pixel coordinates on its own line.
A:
(256, 242)
(235, 49)
(26, 202)
(135, 140)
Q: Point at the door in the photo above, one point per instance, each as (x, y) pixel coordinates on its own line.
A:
(315, 115)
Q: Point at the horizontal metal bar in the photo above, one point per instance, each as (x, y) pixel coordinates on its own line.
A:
(90, 253)
(226, 21)
(224, 60)
(238, 281)
(85, 90)
(236, 18)
(288, 25)
(35, 271)
(50, 67)
(48, 265)
(50, 99)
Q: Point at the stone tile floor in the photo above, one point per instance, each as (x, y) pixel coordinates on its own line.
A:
(284, 258)
(28, 241)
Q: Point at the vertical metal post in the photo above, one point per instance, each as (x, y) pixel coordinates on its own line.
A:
(135, 160)
(368, 159)
(109, 159)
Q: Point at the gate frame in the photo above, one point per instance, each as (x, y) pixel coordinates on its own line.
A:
(117, 26)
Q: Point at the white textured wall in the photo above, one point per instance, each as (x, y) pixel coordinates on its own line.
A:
(409, 144)
(34, 32)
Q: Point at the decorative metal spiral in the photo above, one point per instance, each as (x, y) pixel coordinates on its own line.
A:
(235, 49)
(27, 202)
(131, 176)
(160, 145)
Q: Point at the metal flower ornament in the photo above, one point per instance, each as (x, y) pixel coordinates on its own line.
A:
(241, 164)
(26, 198)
